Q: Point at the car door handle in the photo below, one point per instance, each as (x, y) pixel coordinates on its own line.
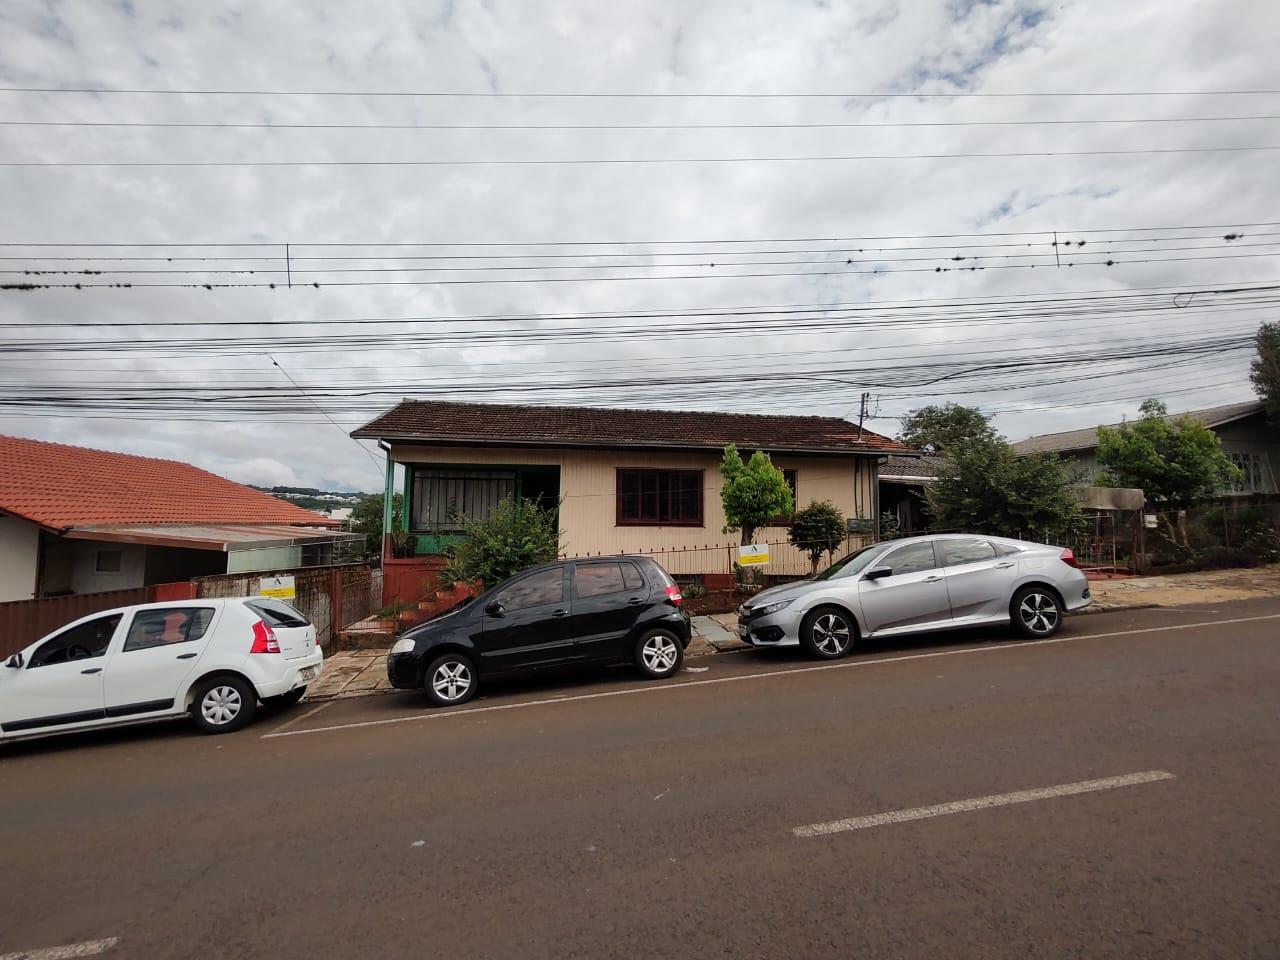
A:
(186, 656)
(1004, 566)
(931, 579)
(93, 670)
(635, 601)
(560, 613)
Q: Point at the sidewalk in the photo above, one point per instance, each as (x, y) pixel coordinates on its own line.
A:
(359, 673)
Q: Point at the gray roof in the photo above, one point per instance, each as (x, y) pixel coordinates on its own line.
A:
(1087, 438)
(923, 466)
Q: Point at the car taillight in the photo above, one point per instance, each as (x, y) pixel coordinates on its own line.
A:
(264, 639)
(1069, 558)
(674, 594)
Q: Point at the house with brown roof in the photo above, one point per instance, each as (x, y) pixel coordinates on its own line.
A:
(626, 481)
(75, 520)
(1250, 441)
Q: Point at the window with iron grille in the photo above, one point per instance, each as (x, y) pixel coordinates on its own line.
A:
(659, 497)
(442, 496)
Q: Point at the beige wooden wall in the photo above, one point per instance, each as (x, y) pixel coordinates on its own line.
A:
(588, 512)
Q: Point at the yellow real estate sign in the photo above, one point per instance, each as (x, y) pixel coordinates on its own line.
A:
(281, 588)
(753, 554)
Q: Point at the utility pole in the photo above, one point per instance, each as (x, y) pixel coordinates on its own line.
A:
(862, 412)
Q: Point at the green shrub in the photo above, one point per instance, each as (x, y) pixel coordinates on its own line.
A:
(817, 529)
(517, 535)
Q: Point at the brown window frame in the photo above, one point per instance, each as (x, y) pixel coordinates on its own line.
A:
(620, 521)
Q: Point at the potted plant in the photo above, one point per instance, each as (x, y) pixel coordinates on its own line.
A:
(403, 544)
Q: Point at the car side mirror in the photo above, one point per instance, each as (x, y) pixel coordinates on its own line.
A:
(879, 573)
(15, 661)
(494, 608)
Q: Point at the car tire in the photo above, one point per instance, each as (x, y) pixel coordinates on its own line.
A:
(828, 633)
(1036, 612)
(659, 654)
(223, 704)
(450, 679)
(285, 700)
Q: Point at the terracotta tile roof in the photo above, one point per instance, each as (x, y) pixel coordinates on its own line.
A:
(60, 486)
(427, 421)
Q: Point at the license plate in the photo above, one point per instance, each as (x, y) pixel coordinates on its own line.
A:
(306, 673)
(742, 630)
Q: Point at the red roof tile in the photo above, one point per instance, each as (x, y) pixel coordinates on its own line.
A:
(427, 421)
(60, 486)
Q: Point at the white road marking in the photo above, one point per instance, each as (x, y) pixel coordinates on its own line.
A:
(298, 719)
(90, 948)
(981, 803)
(767, 675)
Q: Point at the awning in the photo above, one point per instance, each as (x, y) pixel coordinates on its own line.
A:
(222, 537)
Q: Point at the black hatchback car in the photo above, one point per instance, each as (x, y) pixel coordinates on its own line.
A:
(601, 610)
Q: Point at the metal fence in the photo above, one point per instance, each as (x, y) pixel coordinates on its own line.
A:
(786, 561)
(330, 597)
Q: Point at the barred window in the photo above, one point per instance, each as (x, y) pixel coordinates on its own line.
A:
(442, 497)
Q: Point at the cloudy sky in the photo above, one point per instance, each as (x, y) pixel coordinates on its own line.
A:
(364, 136)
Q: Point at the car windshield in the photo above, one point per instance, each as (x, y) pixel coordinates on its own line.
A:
(848, 566)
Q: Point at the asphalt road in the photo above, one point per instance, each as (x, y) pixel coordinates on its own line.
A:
(597, 816)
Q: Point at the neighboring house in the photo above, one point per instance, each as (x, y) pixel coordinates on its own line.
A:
(1247, 438)
(903, 480)
(626, 480)
(75, 520)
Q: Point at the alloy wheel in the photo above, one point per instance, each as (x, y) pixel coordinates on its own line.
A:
(1039, 612)
(831, 634)
(221, 705)
(451, 680)
(659, 653)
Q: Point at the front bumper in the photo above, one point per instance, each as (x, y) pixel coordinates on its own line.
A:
(781, 629)
(402, 670)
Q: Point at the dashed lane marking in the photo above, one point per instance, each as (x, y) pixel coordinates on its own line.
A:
(981, 803)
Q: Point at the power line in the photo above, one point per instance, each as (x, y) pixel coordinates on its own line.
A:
(670, 95)
(619, 243)
(340, 427)
(631, 161)
(855, 124)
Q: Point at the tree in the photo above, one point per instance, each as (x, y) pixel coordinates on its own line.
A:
(1264, 372)
(817, 529)
(366, 518)
(753, 493)
(985, 487)
(1174, 460)
(941, 429)
(516, 535)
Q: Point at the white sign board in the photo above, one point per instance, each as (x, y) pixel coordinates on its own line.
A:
(281, 588)
(753, 554)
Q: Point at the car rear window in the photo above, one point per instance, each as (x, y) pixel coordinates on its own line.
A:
(277, 613)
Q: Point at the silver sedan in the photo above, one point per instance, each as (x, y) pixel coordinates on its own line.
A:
(915, 585)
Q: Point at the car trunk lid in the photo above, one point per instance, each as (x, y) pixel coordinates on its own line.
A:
(294, 632)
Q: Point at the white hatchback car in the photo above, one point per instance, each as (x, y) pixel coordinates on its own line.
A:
(210, 659)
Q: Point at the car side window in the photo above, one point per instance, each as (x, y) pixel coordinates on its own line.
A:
(545, 586)
(912, 558)
(631, 578)
(159, 628)
(956, 552)
(597, 579)
(83, 642)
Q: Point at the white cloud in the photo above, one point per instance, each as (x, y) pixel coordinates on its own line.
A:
(580, 46)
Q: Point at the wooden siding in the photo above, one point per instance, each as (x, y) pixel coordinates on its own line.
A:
(588, 512)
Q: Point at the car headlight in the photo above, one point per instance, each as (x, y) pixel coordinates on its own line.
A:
(769, 608)
(403, 645)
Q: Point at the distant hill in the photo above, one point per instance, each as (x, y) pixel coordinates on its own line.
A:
(311, 498)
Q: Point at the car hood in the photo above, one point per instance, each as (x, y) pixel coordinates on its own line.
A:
(785, 591)
(444, 620)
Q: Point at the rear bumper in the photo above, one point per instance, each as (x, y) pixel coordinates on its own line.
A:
(273, 676)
